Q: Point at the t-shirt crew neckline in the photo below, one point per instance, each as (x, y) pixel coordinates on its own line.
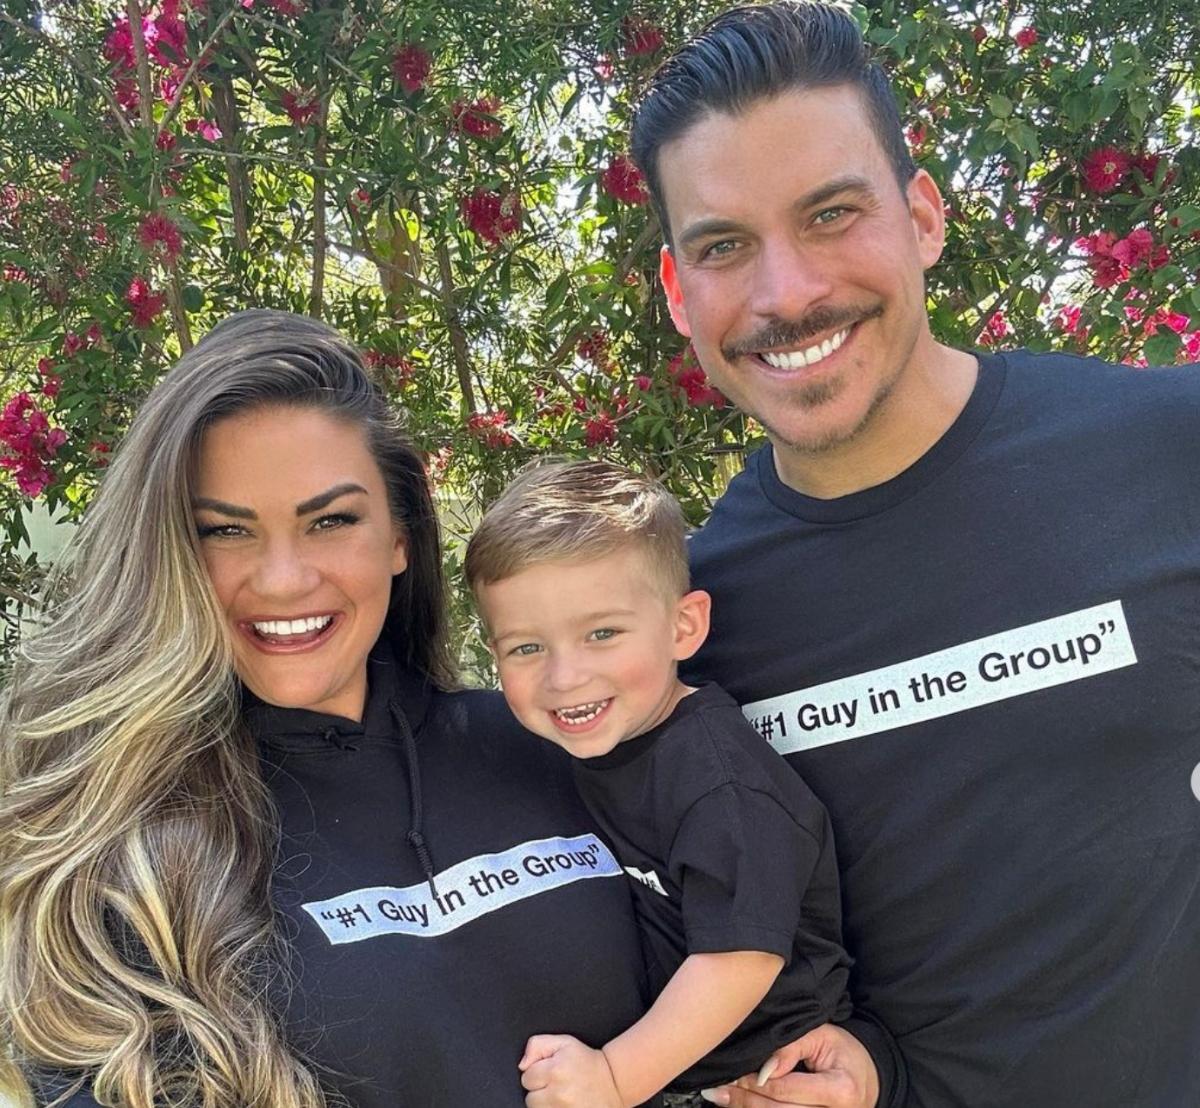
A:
(858, 505)
(625, 752)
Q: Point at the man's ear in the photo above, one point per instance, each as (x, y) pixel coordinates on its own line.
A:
(692, 611)
(670, 283)
(928, 212)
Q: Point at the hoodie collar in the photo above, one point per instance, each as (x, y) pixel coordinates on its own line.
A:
(389, 687)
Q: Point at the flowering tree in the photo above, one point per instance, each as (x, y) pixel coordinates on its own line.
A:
(449, 185)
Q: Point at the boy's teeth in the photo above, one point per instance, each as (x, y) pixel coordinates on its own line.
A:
(581, 713)
(795, 359)
(292, 626)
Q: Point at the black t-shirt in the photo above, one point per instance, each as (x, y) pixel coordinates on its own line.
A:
(729, 850)
(988, 669)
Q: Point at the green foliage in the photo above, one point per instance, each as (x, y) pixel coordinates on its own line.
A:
(461, 226)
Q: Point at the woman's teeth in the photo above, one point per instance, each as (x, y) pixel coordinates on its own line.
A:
(293, 626)
(582, 713)
(796, 359)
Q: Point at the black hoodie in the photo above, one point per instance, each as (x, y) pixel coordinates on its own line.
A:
(402, 1000)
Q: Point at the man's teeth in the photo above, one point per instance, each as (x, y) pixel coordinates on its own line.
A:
(795, 359)
(581, 713)
(293, 626)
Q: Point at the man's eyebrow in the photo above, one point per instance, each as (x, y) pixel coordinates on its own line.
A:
(707, 228)
(312, 504)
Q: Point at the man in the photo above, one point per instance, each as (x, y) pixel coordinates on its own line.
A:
(958, 591)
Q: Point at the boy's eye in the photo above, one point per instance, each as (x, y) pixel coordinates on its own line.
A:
(525, 649)
(602, 633)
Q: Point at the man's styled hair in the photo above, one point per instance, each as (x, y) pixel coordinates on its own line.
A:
(578, 511)
(753, 53)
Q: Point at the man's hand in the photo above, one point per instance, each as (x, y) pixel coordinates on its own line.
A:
(559, 1071)
(842, 1075)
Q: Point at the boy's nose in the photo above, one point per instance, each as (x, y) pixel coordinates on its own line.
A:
(564, 672)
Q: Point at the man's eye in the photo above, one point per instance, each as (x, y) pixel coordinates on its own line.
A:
(830, 215)
(525, 649)
(719, 249)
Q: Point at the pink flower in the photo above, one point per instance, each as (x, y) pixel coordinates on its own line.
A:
(640, 36)
(1191, 346)
(165, 140)
(30, 442)
(209, 131)
(603, 67)
(159, 236)
(643, 382)
(51, 385)
(144, 304)
(72, 344)
(600, 430)
(1105, 168)
(1026, 37)
(624, 180)
(1135, 249)
(995, 329)
(478, 117)
(490, 215)
(300, 106)
(410, 66)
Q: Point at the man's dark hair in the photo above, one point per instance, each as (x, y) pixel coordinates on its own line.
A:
(755, 52)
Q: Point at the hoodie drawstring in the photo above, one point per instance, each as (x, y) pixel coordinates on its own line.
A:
(415, 837)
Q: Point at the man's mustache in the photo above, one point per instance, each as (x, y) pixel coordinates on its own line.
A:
(787, 332)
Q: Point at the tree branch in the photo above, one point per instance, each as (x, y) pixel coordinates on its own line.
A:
(458, 340)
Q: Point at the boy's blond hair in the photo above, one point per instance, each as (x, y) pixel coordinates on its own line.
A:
(577, 511)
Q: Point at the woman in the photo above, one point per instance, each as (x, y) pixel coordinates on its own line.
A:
(253, 850)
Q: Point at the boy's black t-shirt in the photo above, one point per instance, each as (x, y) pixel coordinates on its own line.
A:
(729, 850)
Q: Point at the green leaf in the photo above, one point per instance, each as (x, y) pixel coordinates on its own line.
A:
(1161, 348)
(1000, 106)
(193, 298)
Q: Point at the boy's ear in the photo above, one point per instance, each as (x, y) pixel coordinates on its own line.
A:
(692, 612)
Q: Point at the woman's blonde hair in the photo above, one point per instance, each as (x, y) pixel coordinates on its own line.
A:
(136, 835)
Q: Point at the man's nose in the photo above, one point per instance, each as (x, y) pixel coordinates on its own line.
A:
(789, 279)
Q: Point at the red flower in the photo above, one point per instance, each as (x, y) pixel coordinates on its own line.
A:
(51, 385)
(159, 236)
(144, 303)
(300, 106)
(1026, 37)
(594, 348)
(45, 366)
(624, 180)
(603, 67)
(165, 140)
(30, 442)
(490, 428)
(285, 7)
(978, 34)
(643, 382)
(72, 344)
(1105, 168)
(640, 36)
(410, 66)
(600, 430)
(398, 369)
(478, 117)
(491, 216)
(916, 135)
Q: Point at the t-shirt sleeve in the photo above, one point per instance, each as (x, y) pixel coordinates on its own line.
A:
(743, 864)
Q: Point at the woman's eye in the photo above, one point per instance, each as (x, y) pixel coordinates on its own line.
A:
(219, 530)
(335, 520)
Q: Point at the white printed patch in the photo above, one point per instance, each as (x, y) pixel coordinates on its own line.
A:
(466, 891)
(1037, 656)
(647, 877)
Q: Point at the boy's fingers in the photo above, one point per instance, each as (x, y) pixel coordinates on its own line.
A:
(541, 1046)
(536, 1076)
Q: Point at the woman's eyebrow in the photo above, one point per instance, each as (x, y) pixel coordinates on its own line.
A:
(312, 504)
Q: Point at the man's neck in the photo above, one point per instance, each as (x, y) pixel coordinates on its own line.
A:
(916, 413)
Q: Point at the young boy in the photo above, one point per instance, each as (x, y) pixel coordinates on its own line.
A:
(580, 572)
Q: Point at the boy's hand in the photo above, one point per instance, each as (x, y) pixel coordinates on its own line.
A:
(559, 1071)
(841, 1075)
